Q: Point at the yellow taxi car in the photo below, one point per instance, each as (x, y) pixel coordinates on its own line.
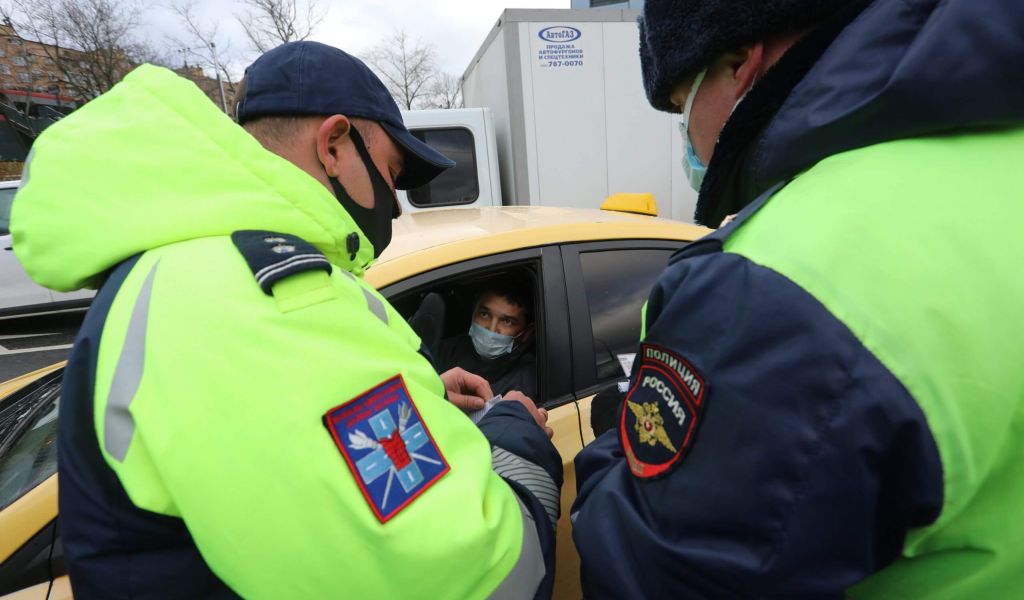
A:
(590, 271)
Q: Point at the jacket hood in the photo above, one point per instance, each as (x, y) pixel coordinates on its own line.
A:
(153, 162)
(899, 69)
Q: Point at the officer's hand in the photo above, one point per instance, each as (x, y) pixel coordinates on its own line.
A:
(467, 391)
(539, 414)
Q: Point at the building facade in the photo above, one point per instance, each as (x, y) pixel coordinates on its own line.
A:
(28, 75)
(35, 91)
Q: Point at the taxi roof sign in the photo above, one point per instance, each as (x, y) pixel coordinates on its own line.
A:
(641, 204)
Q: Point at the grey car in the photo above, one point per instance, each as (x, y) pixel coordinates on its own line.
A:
(18, 293)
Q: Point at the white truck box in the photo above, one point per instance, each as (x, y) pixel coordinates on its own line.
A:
(571, 121)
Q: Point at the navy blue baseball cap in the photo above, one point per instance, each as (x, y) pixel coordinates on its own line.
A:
(310, 78)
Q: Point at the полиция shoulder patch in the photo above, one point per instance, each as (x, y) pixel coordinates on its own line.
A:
(661, 411)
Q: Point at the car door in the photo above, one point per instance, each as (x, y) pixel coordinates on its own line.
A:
(609, 283)
(16, 288)
(554, 375)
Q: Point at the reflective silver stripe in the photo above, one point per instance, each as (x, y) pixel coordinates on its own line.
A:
(372, 302)
(533, 477)
(375, 305)
(118, 424)
(528, 573)
(279, 266)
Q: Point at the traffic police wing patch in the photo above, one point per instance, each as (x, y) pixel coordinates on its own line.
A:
(387, 446)
(661, 412)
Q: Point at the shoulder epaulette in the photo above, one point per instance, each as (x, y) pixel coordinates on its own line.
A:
(273, 256)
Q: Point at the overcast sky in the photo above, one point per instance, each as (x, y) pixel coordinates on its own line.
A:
(455, 28)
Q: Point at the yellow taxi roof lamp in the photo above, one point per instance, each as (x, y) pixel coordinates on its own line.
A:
(641, 204)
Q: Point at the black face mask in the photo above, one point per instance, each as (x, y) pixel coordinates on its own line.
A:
(375, 223)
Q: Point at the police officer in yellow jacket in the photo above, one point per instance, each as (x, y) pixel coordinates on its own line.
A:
(242, 414)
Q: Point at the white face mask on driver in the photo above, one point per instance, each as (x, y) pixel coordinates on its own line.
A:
(490, 344)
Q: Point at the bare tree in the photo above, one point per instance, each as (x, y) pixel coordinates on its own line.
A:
(204, 47)
(407, 68)
(446, 91)
(90, 43)
(270, 23)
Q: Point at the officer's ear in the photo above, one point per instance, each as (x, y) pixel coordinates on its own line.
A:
(331, 138)
(743, 66)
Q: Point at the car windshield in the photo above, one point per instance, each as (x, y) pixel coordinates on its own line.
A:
(6, 200)
(28, 437)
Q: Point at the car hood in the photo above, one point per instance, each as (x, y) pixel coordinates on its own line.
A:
(154, 162)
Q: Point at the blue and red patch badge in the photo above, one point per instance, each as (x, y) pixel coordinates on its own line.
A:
(661, 412)
(387, 446)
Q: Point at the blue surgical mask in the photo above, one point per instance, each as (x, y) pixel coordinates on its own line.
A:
(692, 165)
(490, 344)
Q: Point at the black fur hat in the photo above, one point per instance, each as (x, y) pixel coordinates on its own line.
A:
(678, 38)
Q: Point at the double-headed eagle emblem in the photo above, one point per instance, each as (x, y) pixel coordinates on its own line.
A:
(650, 427)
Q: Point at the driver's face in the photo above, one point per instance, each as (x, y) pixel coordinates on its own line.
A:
(497, 314)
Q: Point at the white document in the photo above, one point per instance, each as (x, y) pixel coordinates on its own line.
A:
(626, 360)
(476, 415)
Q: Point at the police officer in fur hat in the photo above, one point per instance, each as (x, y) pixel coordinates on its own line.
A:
(828, 398)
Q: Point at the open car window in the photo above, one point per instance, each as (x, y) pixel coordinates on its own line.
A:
(441, 313)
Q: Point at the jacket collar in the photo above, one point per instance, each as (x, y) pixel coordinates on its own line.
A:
(730, 184)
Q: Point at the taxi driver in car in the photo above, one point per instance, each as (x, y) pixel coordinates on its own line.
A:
(499, 343)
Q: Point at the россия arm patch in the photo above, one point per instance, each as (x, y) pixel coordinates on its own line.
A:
(661, 411)
(387, 446)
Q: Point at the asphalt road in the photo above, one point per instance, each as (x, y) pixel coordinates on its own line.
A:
(30, 343)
